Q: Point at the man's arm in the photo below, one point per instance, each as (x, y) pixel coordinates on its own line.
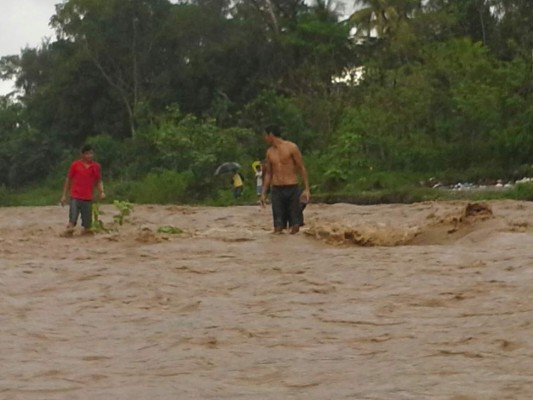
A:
(100, 182)
(66, 185)
(300, 167)
(267, 178)
(100, 187)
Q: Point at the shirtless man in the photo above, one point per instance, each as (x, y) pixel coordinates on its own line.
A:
(283, 163)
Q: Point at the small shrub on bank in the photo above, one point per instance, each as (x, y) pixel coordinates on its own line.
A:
(162, 187)
(522, 191)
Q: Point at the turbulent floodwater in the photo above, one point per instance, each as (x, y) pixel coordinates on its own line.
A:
(425, 301)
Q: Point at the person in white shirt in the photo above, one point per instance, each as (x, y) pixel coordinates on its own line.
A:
(258, 180)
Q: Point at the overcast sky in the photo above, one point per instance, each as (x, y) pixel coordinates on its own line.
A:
(25, 23)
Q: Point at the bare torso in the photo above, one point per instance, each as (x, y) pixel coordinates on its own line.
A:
(283, 167)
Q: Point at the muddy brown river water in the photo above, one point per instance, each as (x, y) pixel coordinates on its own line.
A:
(390, 302)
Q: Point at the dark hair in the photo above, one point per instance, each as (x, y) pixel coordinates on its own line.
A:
(274, 130)
(86, 148)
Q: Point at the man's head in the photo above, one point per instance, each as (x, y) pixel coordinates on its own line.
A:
(87, 153)
(271, 132)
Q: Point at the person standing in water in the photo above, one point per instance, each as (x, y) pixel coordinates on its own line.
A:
(237, 184)
(258, 180)
(83, 176)
(284, 163)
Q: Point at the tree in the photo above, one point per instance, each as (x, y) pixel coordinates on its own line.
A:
(515, 28)
(382, 18)
(121, 38)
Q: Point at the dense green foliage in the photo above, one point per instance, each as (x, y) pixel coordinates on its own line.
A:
(166, 91)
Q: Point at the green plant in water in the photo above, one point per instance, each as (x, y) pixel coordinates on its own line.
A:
(172, 230)
(125, 208)
(97, 224)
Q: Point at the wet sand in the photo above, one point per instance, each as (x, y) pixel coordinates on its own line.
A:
(425, 301)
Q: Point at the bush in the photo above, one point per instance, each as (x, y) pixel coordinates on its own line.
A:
(522, 191)
(42, 195)
(30, 156)
(163, 187)
(109, 152)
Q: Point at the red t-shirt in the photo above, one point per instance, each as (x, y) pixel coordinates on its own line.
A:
(84, 177)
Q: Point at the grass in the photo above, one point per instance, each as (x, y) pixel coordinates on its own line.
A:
(381, 196)
(408, 195)
(389, 190)
(33, 196)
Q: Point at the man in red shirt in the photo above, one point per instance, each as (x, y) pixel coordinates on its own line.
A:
(84, 174)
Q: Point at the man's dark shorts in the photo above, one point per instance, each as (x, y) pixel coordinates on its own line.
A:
(286, 207)
(83, 207)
